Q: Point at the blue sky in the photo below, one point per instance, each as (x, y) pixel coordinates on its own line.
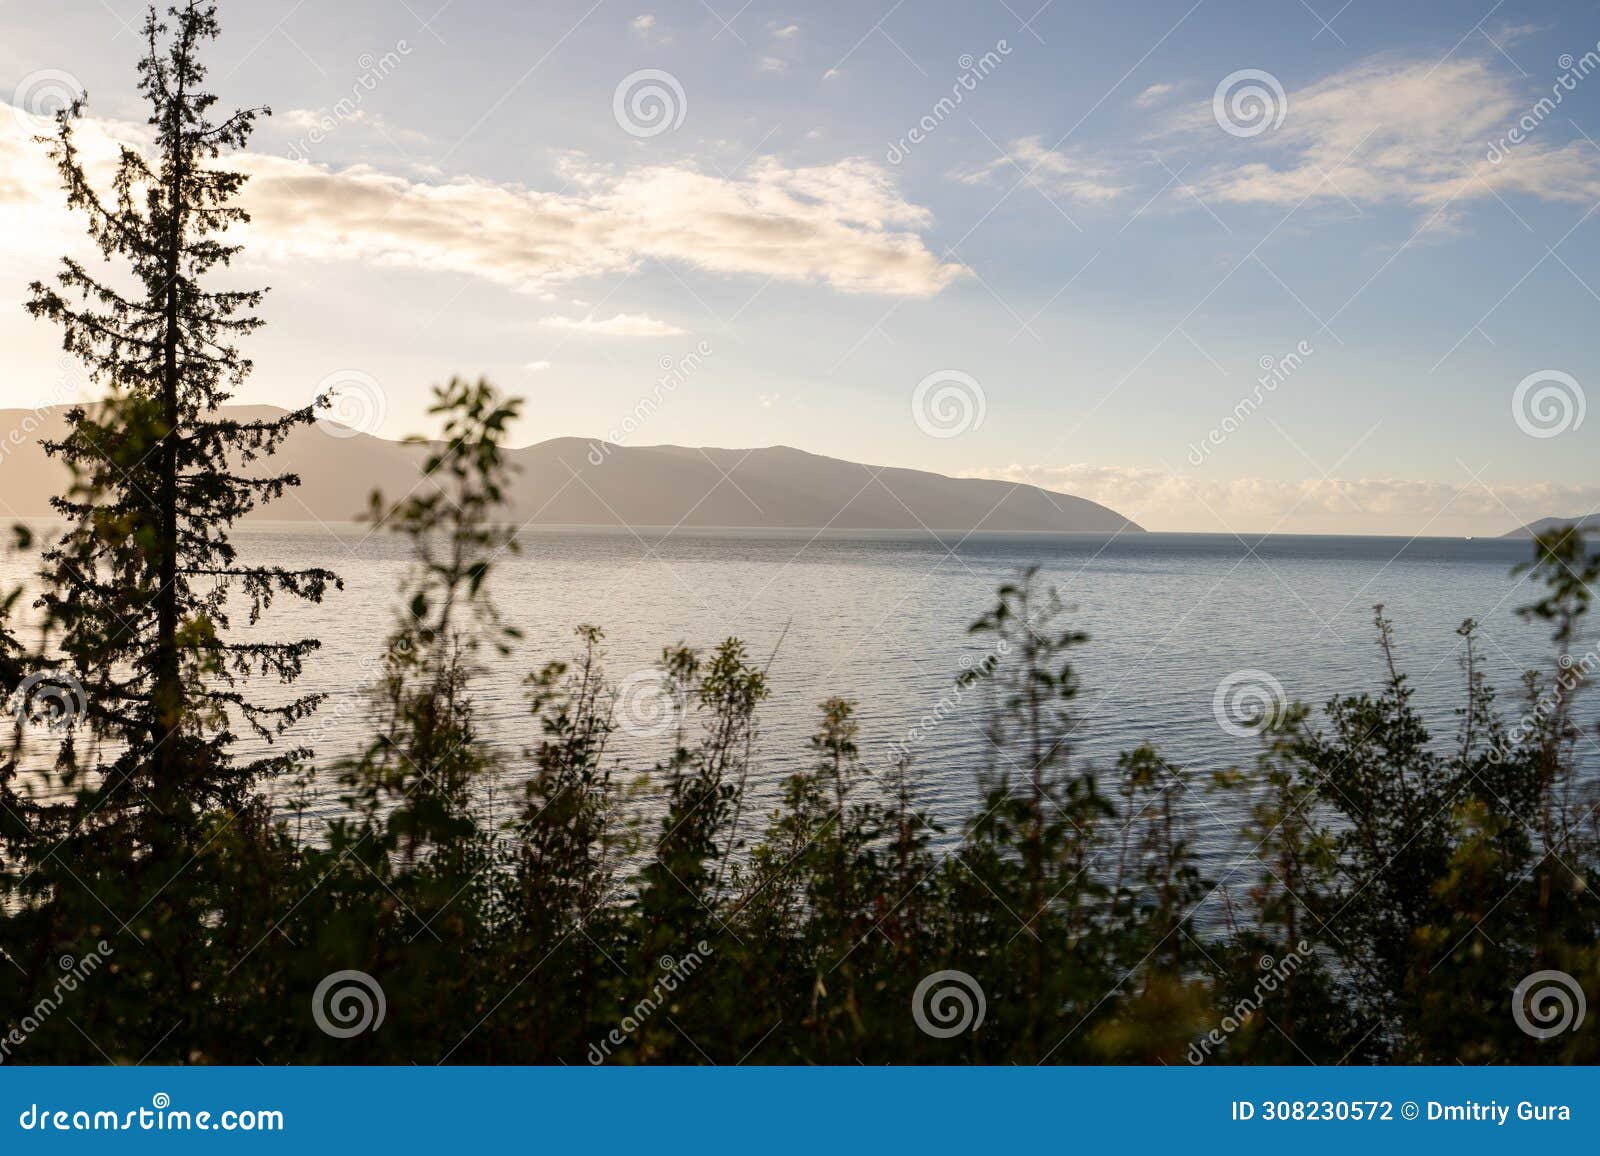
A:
(1087, 259)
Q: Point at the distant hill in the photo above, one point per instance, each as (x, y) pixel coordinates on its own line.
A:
(1589, 524)
(572, 481)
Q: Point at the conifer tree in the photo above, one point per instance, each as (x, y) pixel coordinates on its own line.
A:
(139, 583)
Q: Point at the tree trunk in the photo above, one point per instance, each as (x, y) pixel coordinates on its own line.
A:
(168, 689)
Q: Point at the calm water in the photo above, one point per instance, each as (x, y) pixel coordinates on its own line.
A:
(882, 619)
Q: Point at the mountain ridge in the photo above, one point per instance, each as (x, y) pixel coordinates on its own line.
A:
(1587, 524)
(576, 481)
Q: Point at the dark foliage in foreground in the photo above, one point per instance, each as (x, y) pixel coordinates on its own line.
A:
(1388, 892)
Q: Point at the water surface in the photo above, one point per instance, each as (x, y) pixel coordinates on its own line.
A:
(882, 619)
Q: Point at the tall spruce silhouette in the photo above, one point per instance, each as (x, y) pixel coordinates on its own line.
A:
(139, 583)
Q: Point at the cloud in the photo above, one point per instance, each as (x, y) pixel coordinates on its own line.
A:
(33, 222)
(314, 126)
(1159, 499)
(1433, 136)
(537, 366)
(1414, 132)
(622, 325)
(649, 29)
(844, 224)
(787, 32)
(1154, 95)
(313, 117)
(773, 64)
(1056, 172)
(1509, 33)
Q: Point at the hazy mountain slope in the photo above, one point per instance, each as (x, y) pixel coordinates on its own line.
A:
(573, 481)
(1589, 525)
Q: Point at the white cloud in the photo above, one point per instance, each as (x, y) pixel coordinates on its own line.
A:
(787, 32)
(1431, 135)
(1057, 172)
(313, 117)
(1416, 132)
(316, 125)
(622, 325)
(1161, 500)
(844, 224)
(1512, 33)
(773, 64)
(537, 366)
(1155, 94)
(33, 222)
(643, 23)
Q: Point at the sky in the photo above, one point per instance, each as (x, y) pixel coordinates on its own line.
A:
(1316, 267)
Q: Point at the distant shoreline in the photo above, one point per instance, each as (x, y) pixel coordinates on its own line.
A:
(834, 533)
